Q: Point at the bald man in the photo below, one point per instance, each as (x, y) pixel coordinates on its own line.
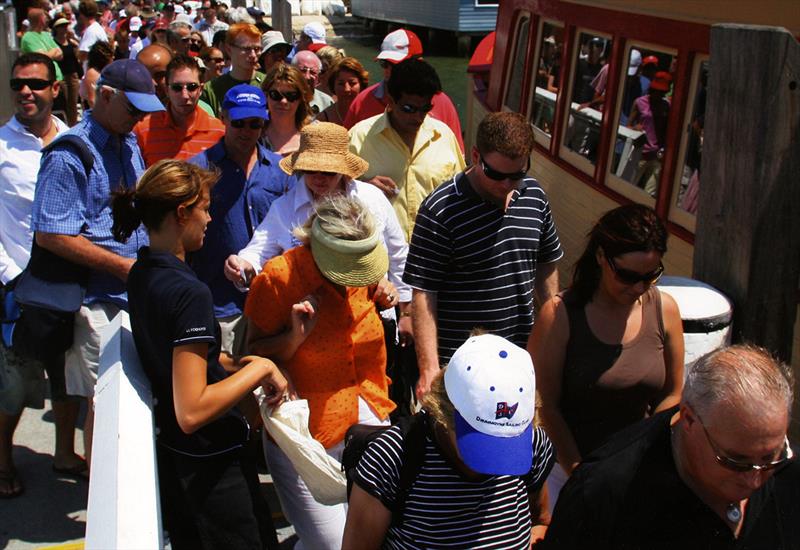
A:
(156, 57)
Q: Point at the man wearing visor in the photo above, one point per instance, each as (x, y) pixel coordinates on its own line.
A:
(72, 211)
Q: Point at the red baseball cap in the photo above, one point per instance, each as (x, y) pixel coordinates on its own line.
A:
(661, 81)
(650, 59)
(399, 46)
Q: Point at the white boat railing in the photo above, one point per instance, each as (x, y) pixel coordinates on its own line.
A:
(123, 510)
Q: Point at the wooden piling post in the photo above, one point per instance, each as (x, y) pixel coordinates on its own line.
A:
(748, 223)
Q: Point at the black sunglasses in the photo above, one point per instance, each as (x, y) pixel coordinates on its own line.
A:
(628, 277)
(411, 109)
(291, 97)
(314, 172)
(34, 84)
(253, 123)
(191, 86)
(497, 175)
(384, 64)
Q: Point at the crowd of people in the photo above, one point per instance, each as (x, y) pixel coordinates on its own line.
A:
(268, 221)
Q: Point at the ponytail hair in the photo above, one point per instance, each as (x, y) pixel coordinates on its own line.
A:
(164, 187)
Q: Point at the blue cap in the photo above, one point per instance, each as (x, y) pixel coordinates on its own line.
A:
(245, 101)
(132, 78)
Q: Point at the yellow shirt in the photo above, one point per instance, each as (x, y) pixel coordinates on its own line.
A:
(436, 158)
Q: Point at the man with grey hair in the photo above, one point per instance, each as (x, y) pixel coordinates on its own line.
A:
(715, 472)
(310, 65)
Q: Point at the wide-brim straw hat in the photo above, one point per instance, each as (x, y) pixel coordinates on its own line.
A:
(349, 263)
(324, 148)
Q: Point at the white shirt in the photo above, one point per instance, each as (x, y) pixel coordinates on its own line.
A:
(136, 45)
(208, 31)
(20, 153)
(93, 33)
(274, 236)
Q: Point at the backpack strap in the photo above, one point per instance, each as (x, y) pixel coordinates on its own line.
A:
(414, 429)
(79, 146)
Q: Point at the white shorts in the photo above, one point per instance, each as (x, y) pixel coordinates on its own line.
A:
(83, 358)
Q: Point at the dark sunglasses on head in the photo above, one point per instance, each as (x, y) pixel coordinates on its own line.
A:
(629, 277)
(190, 86)
(411, 109)
(497, 175)
(253, 123)
(291, 97)
(35, 84)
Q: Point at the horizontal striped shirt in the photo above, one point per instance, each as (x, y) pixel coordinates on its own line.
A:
(481, 261)
(160, 138)
(442, 509)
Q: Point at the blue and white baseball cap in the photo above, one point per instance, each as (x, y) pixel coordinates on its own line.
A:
(134, 80)
(245, 101)
(491, 383)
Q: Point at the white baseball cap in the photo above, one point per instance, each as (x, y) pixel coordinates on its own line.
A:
(491, 383)
(135, 23)
(399, 45)
(634, 62)
(315, 31)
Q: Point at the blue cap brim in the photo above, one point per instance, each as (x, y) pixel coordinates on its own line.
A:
(492, 455)
(148, 103)
(238, 113)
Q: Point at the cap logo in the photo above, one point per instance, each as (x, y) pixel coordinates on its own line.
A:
(248, 97)
(504, 411)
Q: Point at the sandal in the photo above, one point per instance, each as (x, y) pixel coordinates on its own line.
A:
(10, 484)
(80, 470)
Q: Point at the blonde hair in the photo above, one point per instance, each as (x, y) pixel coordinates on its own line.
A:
(329, 55)
(339, 216)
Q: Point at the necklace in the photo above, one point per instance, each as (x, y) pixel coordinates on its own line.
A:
(733, 512)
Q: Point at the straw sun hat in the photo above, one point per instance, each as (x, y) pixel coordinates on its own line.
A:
(324, 148)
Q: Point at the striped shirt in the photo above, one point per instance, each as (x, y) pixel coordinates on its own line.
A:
(160, 138)
(442, 509)
(480, 261)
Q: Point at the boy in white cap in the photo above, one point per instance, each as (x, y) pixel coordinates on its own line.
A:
(481, 482)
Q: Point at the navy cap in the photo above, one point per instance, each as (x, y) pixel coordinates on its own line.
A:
(254, 12)
(245, 101)
(132, 78)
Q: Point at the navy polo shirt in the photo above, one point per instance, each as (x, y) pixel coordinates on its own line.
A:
(238, 205)
(170, 307)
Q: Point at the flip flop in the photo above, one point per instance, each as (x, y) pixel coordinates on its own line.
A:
(80, 470)
(12, 484)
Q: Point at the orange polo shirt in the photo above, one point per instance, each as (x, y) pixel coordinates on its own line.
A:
(160, 138)
(343, 358)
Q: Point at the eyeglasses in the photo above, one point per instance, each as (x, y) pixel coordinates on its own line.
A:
(34, 84)
(216, 59)
(497, 175)
(629, 277)
(189, 86)
(738, 466)
(249, 49)
(133, 112)
(253, 123)
(309, 70)
(291, 97)
(411, 109)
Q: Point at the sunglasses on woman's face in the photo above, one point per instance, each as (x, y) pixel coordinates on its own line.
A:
(35, 84)
(253, 123)
(321, 173)
(190, 86)
(628, 277)
(291, 97)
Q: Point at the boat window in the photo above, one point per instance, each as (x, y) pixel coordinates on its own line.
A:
(548, 80)
(514, 91)
(587, 99)
(689, 185)
(646, 92)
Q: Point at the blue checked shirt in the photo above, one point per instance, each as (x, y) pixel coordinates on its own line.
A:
(238, 205)
(68, 202)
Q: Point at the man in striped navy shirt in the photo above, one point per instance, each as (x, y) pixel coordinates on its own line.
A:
(477, 245)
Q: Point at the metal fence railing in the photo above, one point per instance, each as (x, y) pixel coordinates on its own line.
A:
(9, 49)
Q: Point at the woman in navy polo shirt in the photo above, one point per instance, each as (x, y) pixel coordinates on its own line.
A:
(209, 485)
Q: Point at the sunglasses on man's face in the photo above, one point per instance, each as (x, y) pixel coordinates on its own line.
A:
(628, 277)
(291, 97)
(190, 86)
(34, 84)
(413, 109)
(497, 175)
(253, 123)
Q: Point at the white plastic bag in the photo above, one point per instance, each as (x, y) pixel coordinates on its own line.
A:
(288, 426)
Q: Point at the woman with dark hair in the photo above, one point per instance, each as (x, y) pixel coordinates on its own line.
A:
(347, 78)
(210, 494)
(608, 351)
(288, 98)
(101, 54)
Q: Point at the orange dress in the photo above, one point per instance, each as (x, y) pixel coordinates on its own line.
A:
(343, 358)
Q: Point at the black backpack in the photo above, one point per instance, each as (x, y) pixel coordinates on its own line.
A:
(413, 429)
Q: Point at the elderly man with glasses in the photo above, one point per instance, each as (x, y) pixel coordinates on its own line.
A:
(72, 212)
(716, 472)
(310, 65)
(184, 129)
